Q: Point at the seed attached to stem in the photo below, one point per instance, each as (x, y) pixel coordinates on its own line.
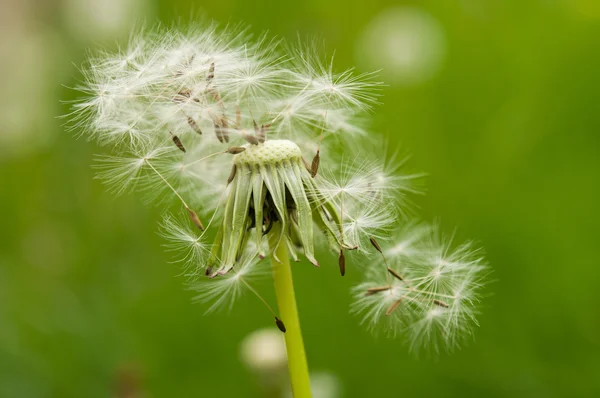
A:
(234, 150)
(395, 274)
(314, 167)
(251, 139)
(375, 244)
(262, 133)
(195, 219)
(232, 174)
(342, 263)
(280, 324)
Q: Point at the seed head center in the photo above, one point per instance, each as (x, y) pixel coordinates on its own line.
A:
(268, 153)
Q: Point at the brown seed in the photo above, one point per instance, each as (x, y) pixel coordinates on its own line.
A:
(219, 132)
(208, 271)
(183, 94)
(224, 132)
(221, 127)
(375, 244)
(394, 305)
(314, 167)
(395, 274)
(262, 133)
(194, 125)
(440, 303)
(211, 72)
(374, 290)
(234, 150)
(280, 324)
(342, 263)
(251, 139)
(216, 96)
(179, 144)
(232, 174)
(195, 219)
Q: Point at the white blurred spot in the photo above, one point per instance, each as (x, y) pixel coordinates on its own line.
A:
(30, 53)
(264, 350)
(92, 19)
(323, 385)
(407, 43)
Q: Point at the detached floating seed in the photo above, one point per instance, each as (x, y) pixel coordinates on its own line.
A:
(280, 324)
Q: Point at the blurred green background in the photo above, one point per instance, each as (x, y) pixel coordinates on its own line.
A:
(497, 100)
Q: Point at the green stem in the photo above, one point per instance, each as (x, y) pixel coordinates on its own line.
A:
(286, 301)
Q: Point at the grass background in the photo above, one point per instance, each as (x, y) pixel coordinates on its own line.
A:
(507, 130)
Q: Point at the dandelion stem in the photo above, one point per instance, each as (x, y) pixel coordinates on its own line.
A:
(286, 301)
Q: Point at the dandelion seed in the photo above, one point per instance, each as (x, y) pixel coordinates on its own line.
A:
(251, 139)
(232, 174)
(342, 263)
(434, 291)
(234, 150)
(194, 125)
(374, 290)
(179, 144)
(189, 248)
(375, 244)
(314, 166)
(280, 324)
(195, 219)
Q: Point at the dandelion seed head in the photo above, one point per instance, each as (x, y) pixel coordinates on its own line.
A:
(257, 142)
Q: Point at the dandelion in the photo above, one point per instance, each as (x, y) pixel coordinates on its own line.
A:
(424, 288)
(244, 139)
